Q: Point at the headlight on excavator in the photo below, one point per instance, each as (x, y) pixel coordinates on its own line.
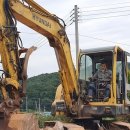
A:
(94, 108)
(107, 110)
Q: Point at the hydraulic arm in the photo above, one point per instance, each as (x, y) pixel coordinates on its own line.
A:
(37, 18)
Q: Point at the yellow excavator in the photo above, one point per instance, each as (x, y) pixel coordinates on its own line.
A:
(14, 67)
(74, 88)
(96, 109)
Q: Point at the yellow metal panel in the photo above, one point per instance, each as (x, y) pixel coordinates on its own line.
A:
(67, 97)
(113, 88)
(36, 20)
(6, 56)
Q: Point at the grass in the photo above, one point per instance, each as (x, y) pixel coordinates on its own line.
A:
(42, 119)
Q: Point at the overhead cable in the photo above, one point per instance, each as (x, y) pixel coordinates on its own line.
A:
(106, 5)
(112, 12)
(105, 17)
(100, 39)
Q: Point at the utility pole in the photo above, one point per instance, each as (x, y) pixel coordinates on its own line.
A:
(76, 31)
(44, 108)
(26, 103)
(39, 106)
(36, 105)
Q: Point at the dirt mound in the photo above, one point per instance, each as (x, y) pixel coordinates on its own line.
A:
(22, 121)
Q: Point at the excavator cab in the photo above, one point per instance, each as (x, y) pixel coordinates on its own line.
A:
(117, 61)
(89, 65)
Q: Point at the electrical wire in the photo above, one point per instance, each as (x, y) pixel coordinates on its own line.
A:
(29, 33)
(69, 23)
(106, 5)
(107, 9)
(106, 17)
(68, 15)
(112, 12)
(42, 45)
(69, 18)
(100, 39)
(40, 41)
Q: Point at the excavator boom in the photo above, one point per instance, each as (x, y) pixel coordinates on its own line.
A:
(37, 18)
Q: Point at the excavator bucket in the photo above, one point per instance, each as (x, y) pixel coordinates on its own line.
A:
(22, 121)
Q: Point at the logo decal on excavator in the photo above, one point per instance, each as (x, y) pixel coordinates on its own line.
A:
(40, 20)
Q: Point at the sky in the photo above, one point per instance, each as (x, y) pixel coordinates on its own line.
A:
(94, 31)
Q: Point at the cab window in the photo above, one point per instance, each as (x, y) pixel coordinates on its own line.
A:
(85, 67)
(128, 69)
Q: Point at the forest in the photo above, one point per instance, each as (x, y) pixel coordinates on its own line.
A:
(40, 92)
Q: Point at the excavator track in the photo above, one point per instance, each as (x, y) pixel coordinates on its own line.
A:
(97, 124)
(121, 125)
(118, 125)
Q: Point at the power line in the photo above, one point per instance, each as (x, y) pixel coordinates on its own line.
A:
(40, 42)
(94, 38)
(70, 21)
(106, 17)
(100, 39)
(73, 17)
(107, 5)
(68, 16)
(106, 9)
(112, 12)
(42, 45)
(104, 40)
(29, 33)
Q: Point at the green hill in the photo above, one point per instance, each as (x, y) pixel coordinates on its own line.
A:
(43, 88)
